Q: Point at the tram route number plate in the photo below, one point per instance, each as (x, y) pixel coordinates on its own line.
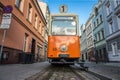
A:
(63, 55)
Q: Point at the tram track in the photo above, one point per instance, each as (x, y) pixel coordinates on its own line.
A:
(56, 73)
(65, 73)
(61, 72)
(42, 75)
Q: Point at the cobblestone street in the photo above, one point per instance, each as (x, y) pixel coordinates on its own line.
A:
(44, 69)
(56, 73)
(63, 72)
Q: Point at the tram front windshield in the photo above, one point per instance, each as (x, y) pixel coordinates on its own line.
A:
(63, 26)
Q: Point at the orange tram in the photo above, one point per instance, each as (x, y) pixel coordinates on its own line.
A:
(63, 39)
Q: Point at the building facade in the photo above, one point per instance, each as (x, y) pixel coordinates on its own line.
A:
(83, 43)
(89, 35)
(112, 22)
(26, 32)
(46, 12)
(99, 33)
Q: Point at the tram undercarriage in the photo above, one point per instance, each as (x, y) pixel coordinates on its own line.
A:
(63, 61)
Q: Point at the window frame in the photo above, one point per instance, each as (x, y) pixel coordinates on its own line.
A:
(114, 48)
(19, 4)
(35, 21)
(108, 8)
(29, 13)
(25, 42)
(111, 27)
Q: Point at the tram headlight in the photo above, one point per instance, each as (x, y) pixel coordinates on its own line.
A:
(63, 48)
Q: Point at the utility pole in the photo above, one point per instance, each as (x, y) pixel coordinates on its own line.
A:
(3, 40)
(6, 21)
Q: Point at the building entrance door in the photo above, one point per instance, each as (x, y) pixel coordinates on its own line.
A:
(33, 46)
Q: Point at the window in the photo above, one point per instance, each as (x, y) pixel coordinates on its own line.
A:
(111, 27)
(100, 18)
(29, 16)
(25, 41)
(117, 2)
(114, 48)
(42, 31)
(1, 13)
(102, 34)
(35, 21)
(98, 35)
(5, 55)
(96, 11)
(91, 41)
(97, 22)
(38, 25)
(118, 20)
(94, 24)
(97, 38)
(90, 28)
(88, 40)
(39, 29)
(108, 8)
(64, 26)
(118, 43)
(87, 30)
(19, 4)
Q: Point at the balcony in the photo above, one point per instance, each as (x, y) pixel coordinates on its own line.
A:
(113, 35)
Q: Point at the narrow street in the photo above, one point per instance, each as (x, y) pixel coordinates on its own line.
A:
(44, 71)
(57, 72)
(59, 39)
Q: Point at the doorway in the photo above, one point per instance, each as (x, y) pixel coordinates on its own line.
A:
(33, 46)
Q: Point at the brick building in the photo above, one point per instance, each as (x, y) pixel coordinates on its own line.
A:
(26, 32)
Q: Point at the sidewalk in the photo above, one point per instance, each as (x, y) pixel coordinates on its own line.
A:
(110, 70)
(20, 71)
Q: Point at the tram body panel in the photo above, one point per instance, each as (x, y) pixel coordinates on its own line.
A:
(55, 45)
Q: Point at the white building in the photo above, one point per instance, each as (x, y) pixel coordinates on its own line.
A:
(112, 21)
(45, 9)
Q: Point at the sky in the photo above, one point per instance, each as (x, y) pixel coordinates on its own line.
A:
(82, 8)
